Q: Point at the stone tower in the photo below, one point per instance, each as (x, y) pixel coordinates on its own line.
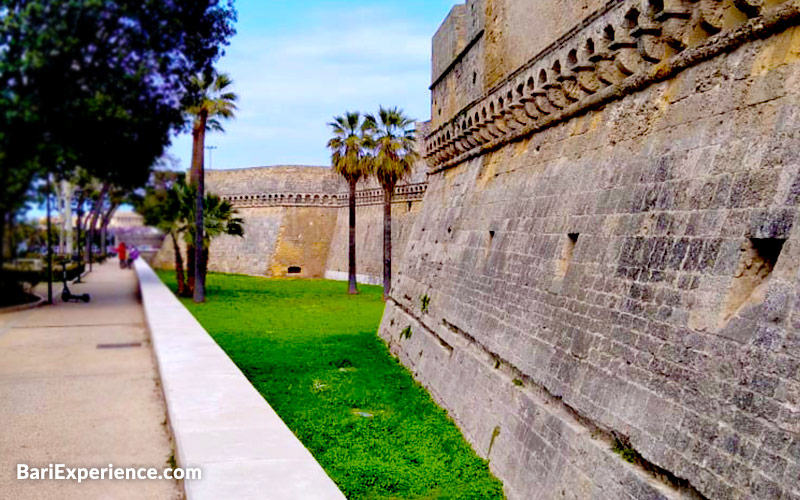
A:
(609, 246)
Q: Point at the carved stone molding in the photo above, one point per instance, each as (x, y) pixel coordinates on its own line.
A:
(636, 43)
(402, 193)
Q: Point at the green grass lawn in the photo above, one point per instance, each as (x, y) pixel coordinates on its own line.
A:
(313, 352)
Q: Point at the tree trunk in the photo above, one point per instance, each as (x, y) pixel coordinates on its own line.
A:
(351, 271)
(87, 235)
(92, 222)
(78, 246)
(190, 274)
(2, 244)
(66, 221)
(203, 265)
(12, 237)
(78, 225)
(198, 174)
(49, 247)
(103, 245)
(62, 232)
(178, 266)
(106, 221)
(387, 241)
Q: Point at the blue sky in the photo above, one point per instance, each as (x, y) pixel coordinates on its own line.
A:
(296, 64)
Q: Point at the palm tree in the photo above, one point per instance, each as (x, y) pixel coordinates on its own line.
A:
(212, 101)
(351, 157)
(164, 205)
(394, 159)
(219, 217)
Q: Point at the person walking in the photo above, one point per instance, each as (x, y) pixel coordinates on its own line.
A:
(122, 253)
(133, 256)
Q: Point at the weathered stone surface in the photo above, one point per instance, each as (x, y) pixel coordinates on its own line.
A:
(627, 270)
(296, 223)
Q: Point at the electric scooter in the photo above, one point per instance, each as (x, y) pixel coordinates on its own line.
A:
(66, 295)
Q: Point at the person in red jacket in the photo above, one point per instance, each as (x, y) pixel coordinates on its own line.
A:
(122, 253)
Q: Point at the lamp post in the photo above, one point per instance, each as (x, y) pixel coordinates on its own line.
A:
(49, 249)
(211, 156)
(80, 259)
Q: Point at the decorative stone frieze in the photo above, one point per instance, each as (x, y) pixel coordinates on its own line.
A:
(403, 193)
(625, 48)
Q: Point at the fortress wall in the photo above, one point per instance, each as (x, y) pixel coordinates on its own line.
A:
(298, 217)
(304, 241)
(275, 239)
(518, 30)
(623, 274)
(293, 231)
(457, 63)
(277, 179)
(369, 226)
(252, 254)
(369, 240)
(483, 41)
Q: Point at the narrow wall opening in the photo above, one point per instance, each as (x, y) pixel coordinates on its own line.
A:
(488, 248)
(567, 251)
(757, 259)
(294, 270)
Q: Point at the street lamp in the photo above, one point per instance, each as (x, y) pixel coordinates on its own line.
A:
(210, 156)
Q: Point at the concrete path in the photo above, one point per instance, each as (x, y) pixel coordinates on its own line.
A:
(65, 400)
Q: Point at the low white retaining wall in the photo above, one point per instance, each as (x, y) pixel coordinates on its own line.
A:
(219, 421)
(365, 279)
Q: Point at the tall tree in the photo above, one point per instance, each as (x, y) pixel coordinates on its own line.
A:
(219, 217)
(395, 156)
(213, 102)
(82, 81)
(166, 204)
(351, 156)
(97, 203)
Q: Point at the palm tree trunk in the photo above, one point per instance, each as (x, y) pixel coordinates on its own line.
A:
(190, 274)
(351, 271)
(198, 173)
(387, 241)
(178, 266)
(203, 265)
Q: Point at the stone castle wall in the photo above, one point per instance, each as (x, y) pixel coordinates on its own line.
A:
(296, 223)
(369, 233)
(610, 249)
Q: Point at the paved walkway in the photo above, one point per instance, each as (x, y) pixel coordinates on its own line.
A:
(65, 400)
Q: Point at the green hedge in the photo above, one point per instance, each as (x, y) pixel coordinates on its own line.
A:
(33, 278)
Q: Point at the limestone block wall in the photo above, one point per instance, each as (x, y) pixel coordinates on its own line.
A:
(517, 30)
(483, 41)
(457, 63)
(287, 180)
(257, 250)
(289, 214)
(296, 223)
(369, 240)
(616, 265)
(304, 242)
(369, 225)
